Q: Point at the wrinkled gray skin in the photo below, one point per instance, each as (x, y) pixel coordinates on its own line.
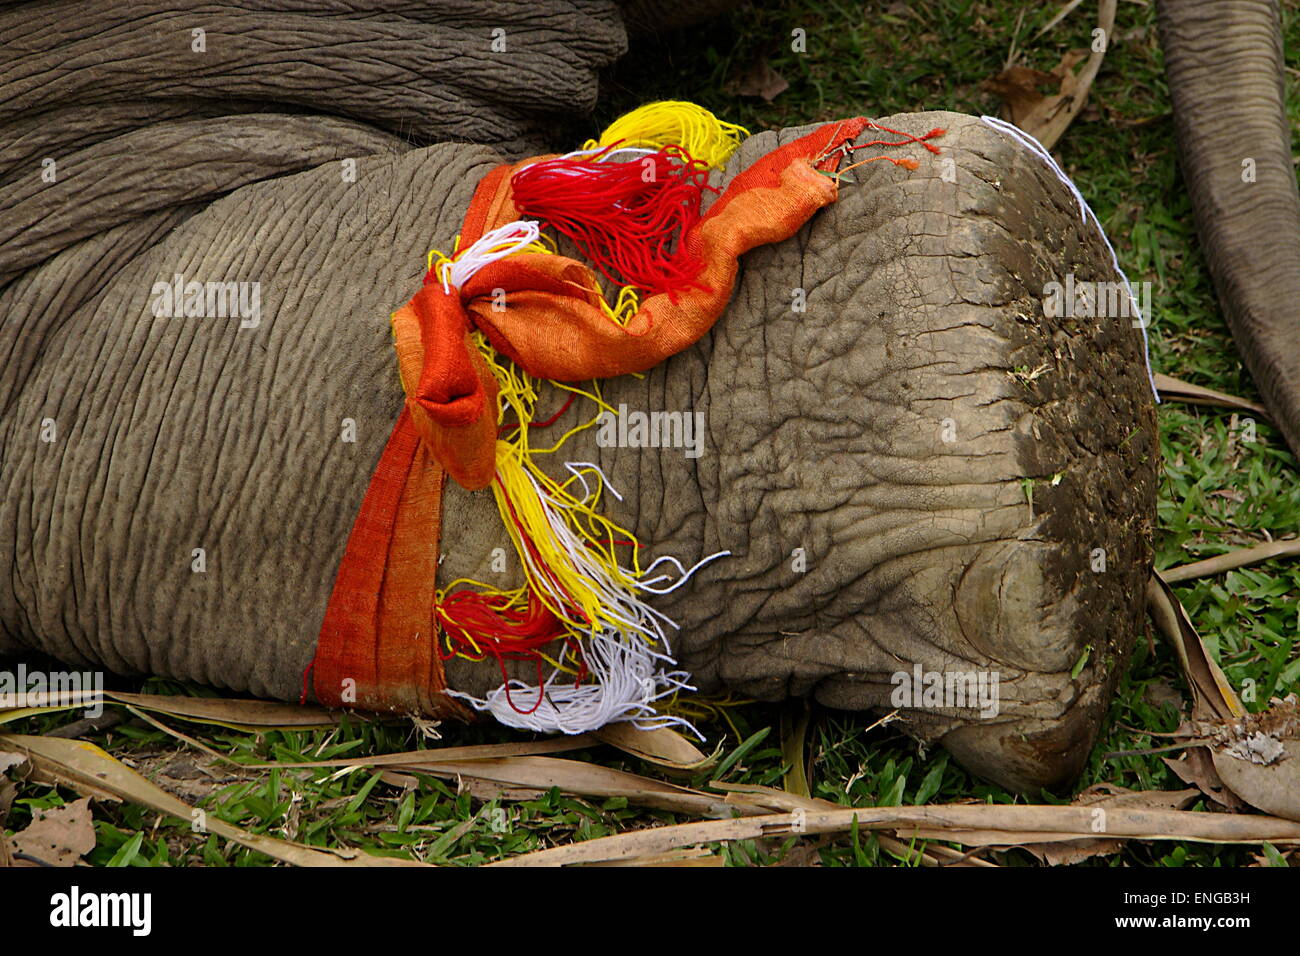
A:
(825, 429)
(825, 432)
(1227, 81)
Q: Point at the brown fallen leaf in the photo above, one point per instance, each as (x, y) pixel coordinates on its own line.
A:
(749, 797)
(1190, 394)
(1241, 756)
(663, 746)
(760, 80)
(1047, 116)
(60, 836)
(961, 823)
(1258, 757)
(87, 768)
(583, 779)
(1212, 696)
(235, 713)
(1196, 768)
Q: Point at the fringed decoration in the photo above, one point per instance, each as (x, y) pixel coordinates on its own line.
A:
(616, 660)
(626, 216)
(675, 123)
(626, 200)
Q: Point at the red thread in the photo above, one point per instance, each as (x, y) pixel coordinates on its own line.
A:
(477, 625)
(550, 421)
(627, 217)
(908, 138)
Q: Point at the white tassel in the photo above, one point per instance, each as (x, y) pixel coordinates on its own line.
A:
(626, 678)
(626, 674)
(1085, 213)
(500, 242)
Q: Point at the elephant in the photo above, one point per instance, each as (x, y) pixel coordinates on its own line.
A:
(920, 471)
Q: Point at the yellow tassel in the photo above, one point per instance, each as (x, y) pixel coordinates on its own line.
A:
(676, 123)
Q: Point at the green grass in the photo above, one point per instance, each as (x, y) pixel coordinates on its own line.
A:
(1217, 493)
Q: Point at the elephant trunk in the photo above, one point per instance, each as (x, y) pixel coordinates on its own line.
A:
(1225, 70)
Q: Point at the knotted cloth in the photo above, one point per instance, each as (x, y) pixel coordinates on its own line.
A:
(378, 647)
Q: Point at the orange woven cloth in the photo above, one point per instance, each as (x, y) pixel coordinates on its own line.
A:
(378, 646)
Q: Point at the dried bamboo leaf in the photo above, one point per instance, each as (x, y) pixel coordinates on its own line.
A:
(584, 779)
(415, 759)
(1212, 696)
(236, 714)
(1239, 558)
(84, 766)
(1190, 394)
(954, 823)
(795, 717)
(663, 746)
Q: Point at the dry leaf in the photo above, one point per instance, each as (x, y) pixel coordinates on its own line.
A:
(1197, 769)
(57, 837)
(1066, 852)
(1181, 391)
(1047, 116)
(233, 713)
(962, 823)
(1256, 757)
(1212, 696)
(761, 80)
(86, 767)
(584, 779)
(663, 746)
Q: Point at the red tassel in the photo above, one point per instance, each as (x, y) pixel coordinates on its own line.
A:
(478, 625)
(626, 217)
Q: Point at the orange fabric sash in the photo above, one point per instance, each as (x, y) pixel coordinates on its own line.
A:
(378, 646)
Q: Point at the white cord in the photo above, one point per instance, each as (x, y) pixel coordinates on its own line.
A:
(500, 242)
(627, 674)
(1085, 213)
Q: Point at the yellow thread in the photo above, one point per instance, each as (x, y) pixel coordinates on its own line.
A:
(520, 484)
(518, 394)
(675, 123)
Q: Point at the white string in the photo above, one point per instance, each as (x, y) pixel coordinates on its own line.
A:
(1085, 213)
(575, 468)
(500, 242)
(627, 674)
(580, 153)
(625, 686)
(686, 575)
